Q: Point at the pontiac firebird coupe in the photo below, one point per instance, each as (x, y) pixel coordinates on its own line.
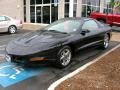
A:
(58, 41)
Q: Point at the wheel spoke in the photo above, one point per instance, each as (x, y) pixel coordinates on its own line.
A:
(106, 41)
(12, 29)
(67, 53)
(65, 57)
(62, 57)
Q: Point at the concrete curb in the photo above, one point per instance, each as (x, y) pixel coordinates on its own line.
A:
(115, 30)
(55, 84)
(33, 26)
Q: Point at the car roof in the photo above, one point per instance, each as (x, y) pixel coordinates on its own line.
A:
(6, 16)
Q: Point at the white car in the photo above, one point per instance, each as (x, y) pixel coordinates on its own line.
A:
(8, 24)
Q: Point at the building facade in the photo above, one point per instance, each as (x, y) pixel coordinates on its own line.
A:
(13, 8)
(48, 11)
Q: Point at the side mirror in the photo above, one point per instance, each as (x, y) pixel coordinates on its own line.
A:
(84, 31)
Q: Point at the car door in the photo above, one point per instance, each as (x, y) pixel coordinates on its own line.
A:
(90, 33)
(116, 19)
(3, 24)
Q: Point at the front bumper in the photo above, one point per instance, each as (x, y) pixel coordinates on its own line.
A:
(47, 55)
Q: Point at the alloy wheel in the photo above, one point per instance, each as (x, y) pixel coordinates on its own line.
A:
(106, 41)
(65, 57)
(12, 29)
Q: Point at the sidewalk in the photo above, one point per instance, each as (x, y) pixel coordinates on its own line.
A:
(115, 36)
(102, 75)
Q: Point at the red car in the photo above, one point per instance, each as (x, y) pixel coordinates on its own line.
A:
(111, 19)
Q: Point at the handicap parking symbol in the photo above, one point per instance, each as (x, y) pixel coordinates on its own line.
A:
(11, 74)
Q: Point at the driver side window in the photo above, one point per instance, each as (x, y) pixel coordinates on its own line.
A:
(90, 25)
(2, 18)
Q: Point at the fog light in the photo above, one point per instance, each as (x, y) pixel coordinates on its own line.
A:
(8, 58)
(38, 59)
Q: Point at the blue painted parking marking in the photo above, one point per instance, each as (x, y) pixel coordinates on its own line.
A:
(11, 73)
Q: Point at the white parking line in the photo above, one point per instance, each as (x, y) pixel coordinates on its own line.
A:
(55, 84)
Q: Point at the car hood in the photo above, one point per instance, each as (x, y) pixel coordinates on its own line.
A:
(35, 42)
(37, 37)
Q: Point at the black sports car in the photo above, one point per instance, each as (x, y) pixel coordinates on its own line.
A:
(58, 41)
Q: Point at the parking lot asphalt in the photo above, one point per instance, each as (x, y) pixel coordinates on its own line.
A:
(46, 74)
(5, 37)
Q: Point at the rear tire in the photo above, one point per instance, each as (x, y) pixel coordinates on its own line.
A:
(106, 41)
(12, 29)
(64, 57)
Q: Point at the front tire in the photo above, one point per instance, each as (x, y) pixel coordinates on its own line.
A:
(64, 57)
(12, 29)
(106, 41)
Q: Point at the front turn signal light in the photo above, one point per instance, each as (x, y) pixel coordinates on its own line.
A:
(38, 59)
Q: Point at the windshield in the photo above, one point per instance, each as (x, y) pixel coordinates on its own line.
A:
(64, 26)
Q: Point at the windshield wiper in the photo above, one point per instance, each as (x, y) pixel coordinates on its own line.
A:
(57, 31)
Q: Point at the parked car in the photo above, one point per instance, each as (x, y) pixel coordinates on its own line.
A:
(111, 19)
(58, 41)
(8, 24)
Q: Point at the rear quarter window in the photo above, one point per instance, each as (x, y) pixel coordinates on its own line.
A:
(7, 19)
(101, 24)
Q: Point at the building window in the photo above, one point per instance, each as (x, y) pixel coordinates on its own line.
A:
(108, 7)
(67, 8)
(38, 14)
(89, 6)
(24, 2)
(32, 2)
(54, 12)
(38, 1)
(46, 14)
(84, 1)
(54, 1)
(46, 1)
(24, 10)
(32, 14)
(67, 1)
(43, 11)
(74, 8)
(24, 13)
